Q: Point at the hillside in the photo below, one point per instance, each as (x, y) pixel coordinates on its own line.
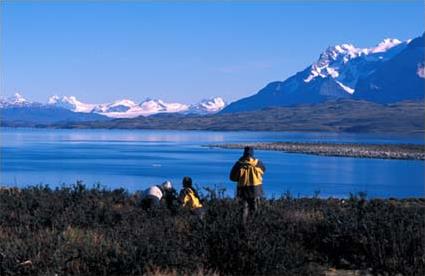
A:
(399, 78)
(38, 114)
(390, 72)
(335, 116)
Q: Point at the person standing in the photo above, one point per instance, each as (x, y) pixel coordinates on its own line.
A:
(248, 173)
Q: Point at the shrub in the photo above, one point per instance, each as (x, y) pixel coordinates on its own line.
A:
(99, 231)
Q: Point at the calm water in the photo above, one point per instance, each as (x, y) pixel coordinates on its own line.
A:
(135, 159)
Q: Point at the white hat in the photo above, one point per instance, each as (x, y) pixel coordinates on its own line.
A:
(167, 185)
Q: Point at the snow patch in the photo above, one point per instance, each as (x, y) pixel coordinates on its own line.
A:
(346, 88)
(386, 44)
(70, 103)
(212, 105)
(16, 100)
(421, 71)
(346, 63)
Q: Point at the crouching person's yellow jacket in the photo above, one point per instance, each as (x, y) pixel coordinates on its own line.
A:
(190, 198)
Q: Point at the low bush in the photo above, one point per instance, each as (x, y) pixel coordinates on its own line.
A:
(77, 230)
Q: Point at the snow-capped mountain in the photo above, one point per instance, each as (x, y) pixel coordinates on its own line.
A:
(346, 64)
(212, 105)
(120, 106)
(15, 101)
(123, 108)
(18, 109)
(158, 106)
(70, 103)
(346, 71)
(129, 109)
(398, 78)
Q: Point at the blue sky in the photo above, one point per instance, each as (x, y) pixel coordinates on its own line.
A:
(181, 51)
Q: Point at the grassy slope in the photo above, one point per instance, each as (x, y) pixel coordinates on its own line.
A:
(76, 230)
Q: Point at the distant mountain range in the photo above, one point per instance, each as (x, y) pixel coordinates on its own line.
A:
(390, 72)
(129, 109)
(393, 71)
(344, 115)
(58, 109)
(41, 115)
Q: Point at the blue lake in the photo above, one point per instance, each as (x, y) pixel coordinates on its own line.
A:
(135, 159)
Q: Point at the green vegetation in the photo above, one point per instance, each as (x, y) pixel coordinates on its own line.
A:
(100, 232)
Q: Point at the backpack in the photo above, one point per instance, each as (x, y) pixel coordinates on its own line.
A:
(249, 173)
(191, 200)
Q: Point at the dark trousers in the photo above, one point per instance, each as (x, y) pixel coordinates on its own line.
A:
(249, 207)
(249, 197)
(150, 202)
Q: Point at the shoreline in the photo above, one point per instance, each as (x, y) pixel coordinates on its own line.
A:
(375, 151)
(289, 130)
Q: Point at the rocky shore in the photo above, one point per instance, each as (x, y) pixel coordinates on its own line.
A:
(380, 151)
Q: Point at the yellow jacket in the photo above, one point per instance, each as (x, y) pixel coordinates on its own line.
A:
(190, 199)
(249, 172)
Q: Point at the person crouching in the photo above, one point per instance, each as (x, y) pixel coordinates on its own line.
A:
(152, 196)
(189, 197)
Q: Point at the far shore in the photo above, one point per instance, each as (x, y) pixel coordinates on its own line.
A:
(379, 151)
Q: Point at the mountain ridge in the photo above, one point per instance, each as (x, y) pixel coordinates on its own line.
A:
(342, 71)
(123, 108)
(392, 71)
